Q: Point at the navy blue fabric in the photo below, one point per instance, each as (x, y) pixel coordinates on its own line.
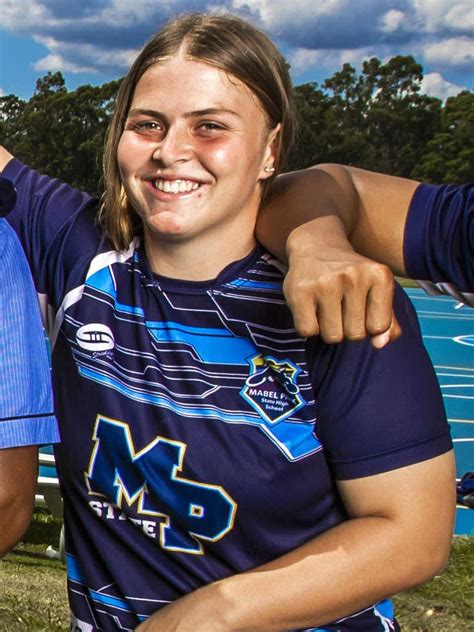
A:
(439, 235)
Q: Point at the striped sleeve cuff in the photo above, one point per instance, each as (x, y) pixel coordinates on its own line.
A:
(41, 430)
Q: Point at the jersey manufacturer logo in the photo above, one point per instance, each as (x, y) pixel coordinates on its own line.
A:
(95, 337)
(271, 388)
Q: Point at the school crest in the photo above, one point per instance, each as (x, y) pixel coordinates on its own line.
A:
(271, 388)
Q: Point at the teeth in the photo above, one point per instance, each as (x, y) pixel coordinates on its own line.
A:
(175, 186)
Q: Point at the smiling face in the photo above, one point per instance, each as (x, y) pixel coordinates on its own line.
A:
(192, 156)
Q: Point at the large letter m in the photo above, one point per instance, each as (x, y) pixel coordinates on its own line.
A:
(187, 510)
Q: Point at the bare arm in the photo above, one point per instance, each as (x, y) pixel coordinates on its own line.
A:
(381, 207)
(18, 475)
(5, 157)
(372, 209)
(343, 570)
(332, 289)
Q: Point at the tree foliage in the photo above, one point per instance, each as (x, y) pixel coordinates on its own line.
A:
(376, 119)
(58, 132)
(449, 155)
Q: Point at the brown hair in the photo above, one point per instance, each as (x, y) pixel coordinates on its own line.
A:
(226, 42)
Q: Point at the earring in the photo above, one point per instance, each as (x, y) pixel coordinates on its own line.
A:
(269, 169)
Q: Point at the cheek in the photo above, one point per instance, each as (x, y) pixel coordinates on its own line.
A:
(130, 154)
(220, 156)
(122, 156)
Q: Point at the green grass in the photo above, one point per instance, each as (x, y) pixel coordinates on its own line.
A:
(33, 589)
(406, 282)
(445, 604)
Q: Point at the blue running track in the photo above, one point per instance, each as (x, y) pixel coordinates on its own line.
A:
(448, 334)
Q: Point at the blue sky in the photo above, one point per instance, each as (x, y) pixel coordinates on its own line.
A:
(93, 41)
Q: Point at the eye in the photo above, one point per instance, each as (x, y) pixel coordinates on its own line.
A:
(148, 127)
(210, 128)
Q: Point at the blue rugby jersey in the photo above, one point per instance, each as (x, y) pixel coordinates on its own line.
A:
(439, 240)
(201, 436)
(26, 400)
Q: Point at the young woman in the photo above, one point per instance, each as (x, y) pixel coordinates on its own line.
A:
(219, 472)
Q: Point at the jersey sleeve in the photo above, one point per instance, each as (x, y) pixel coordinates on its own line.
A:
(439, 239)
(56, 227)
(26, 402)
(380, 409)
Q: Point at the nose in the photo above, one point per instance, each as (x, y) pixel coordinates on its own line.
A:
(175, 146)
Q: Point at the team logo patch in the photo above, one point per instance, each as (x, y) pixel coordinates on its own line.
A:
(95, 337)
(271, 388)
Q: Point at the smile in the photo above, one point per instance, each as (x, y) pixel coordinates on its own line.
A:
(175, 186)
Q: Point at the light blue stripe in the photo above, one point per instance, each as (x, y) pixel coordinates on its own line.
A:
(74, 573)
(257, 285)
(110, 601)
(102, 280)
(214, 346)
(294, 439)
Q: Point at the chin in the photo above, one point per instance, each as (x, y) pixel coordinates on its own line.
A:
(166, 231)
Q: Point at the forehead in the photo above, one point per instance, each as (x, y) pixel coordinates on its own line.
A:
(184, 84)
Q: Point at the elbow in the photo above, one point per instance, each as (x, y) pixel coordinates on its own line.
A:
(426, 561)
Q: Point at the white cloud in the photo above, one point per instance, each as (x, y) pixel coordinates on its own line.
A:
(392, 21)
(302, 59)
(277, 12)
(452, 14)
(461, 16)
(56, 62)
(104, 35)
(436, 86)
(355, 57)
(23, 14)
(81, 58)
(452, 52)
(2, 93)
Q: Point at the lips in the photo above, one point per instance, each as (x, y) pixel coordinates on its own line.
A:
(175, 186)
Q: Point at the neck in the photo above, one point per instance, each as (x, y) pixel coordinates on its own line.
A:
(184, 260)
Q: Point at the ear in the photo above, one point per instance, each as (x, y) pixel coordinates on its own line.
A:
(270, 153)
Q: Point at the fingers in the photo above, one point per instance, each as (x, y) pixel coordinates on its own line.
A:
(392, 333)
(300, 298)
(330, 315)
(351, 304)
(381, 322)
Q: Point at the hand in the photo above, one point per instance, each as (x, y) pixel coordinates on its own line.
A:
(335, 292)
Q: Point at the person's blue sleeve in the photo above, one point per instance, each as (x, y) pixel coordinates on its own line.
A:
(439, 238)
(26, 401)
(380, 409)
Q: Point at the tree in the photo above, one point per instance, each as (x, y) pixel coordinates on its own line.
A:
(312, 135)
(63, 132)
(376, 119)
(450, 154)
(11, 111)
(400, 121)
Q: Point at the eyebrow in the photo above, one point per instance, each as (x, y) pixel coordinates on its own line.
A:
(194, 113)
